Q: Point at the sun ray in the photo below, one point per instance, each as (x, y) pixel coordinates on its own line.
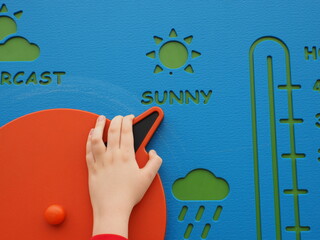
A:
(195, 54)
(158, 40)
(151, 54)
(189, 69)
(158, 69)
(3, 9)
(18, 14)
(173, 33)
(188, 39)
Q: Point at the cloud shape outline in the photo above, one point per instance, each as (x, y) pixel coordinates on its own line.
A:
(200, 185)
(18, 49)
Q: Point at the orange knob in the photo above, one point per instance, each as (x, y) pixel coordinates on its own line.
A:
(55, 214)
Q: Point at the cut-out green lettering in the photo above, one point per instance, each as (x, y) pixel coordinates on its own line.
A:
(15, 78)
(195, 99)
(316, 86)
(23, 78)
(310, 53)
(32, 78)
(318, 122)
(176, 97)
(5, 78)
(149, 99)
(173, 96)
(164, 99)
(59, 74)
(45, 78)
(206, 96)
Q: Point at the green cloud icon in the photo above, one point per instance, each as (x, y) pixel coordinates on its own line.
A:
(18, 49)
(200, 184)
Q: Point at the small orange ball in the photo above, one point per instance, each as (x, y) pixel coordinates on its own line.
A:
(55, 214)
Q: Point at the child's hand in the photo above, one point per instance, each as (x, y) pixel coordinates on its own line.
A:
(116, 183)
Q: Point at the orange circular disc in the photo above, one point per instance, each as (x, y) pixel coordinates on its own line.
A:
(43, 164)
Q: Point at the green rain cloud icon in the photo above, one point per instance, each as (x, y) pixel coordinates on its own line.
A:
(200, 185)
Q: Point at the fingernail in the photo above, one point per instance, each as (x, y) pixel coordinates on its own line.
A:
(132, 115)
(91, 131)
(101, 118)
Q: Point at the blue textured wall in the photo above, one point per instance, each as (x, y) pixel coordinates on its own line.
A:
(102, 45)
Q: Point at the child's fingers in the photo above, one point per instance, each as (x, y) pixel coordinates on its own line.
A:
(127, 143)
(89, 155)
(97, 143)
(153, 165)
(114, 133)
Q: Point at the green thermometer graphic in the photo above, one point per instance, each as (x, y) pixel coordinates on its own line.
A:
(275, 156)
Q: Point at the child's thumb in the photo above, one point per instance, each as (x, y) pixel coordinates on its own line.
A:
(153, 165)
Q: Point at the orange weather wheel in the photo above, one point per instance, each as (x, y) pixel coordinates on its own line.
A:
(43, 178)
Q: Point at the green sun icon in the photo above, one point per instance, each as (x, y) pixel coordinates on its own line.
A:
(173, 53)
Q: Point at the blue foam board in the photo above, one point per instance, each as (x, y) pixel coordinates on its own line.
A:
(254, 120)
